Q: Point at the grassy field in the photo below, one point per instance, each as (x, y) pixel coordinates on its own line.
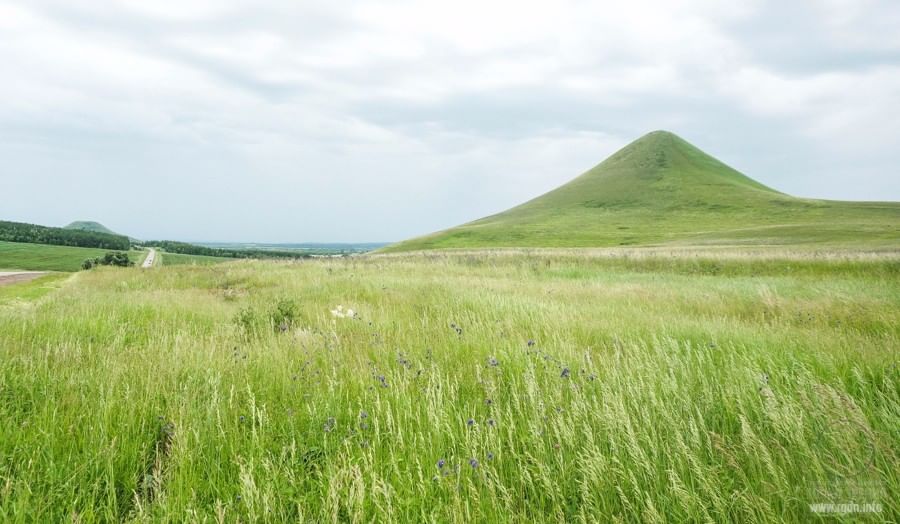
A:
(661, 190)
(177, 259)
(31, 290)
(43, 257)
(635, 386)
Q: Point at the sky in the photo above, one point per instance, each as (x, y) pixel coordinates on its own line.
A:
(336, 121)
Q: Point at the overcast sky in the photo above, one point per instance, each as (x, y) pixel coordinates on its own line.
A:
(375, 121)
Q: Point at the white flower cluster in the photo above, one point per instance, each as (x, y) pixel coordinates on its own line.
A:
(339, 312)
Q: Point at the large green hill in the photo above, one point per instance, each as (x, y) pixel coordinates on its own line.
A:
(661, 190)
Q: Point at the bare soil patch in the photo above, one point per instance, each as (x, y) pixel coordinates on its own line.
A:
(7, 278)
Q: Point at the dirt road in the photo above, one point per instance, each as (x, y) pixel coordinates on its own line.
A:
(151, 257)
(12, 277)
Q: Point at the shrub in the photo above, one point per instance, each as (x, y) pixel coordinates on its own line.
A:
(113, 258)
(247, 321)
(119, 259)
(284, 314)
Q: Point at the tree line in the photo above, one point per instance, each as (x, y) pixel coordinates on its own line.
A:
(58, 236)
(184, 248)
(35, 234)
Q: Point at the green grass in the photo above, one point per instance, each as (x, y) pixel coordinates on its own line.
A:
(178, 259)
(31, 290)
(43, 257)
(660, 190)
(662, 386)
(138, 256)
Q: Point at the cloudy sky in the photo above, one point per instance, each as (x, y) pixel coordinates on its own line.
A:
(258, 120)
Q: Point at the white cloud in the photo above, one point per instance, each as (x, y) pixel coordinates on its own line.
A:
(857, 110)
(444, 111)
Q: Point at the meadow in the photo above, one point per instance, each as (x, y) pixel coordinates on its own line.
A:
(179, 259)
(44, 257)
(551, 386)
(33, 289)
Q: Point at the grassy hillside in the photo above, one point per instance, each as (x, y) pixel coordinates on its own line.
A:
(87, 225)
(658, 386)
(662, 190)
(31, 290)
(41, 257)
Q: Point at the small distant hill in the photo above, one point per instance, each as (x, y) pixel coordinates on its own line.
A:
(661, 190)
(88, 225)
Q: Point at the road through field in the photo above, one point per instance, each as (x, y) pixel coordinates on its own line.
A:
(12, 277)
(151, 257)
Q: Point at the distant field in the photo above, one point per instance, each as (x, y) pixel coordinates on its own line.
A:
(532, 386)
(177, 259)
(310, 248)
(43, 257)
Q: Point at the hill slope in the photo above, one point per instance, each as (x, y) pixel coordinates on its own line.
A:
(44, 257)
(661, 190)
(88, 225)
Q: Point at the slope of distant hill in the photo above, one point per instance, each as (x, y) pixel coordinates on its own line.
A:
(661, 190)
(88, 225)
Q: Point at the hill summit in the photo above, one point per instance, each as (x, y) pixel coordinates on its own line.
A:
(88, 225)
(661, 190)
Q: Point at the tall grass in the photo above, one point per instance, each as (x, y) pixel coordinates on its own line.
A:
(467, 387)
(178, 259)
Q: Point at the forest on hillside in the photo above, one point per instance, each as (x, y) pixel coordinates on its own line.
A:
(35, 234)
